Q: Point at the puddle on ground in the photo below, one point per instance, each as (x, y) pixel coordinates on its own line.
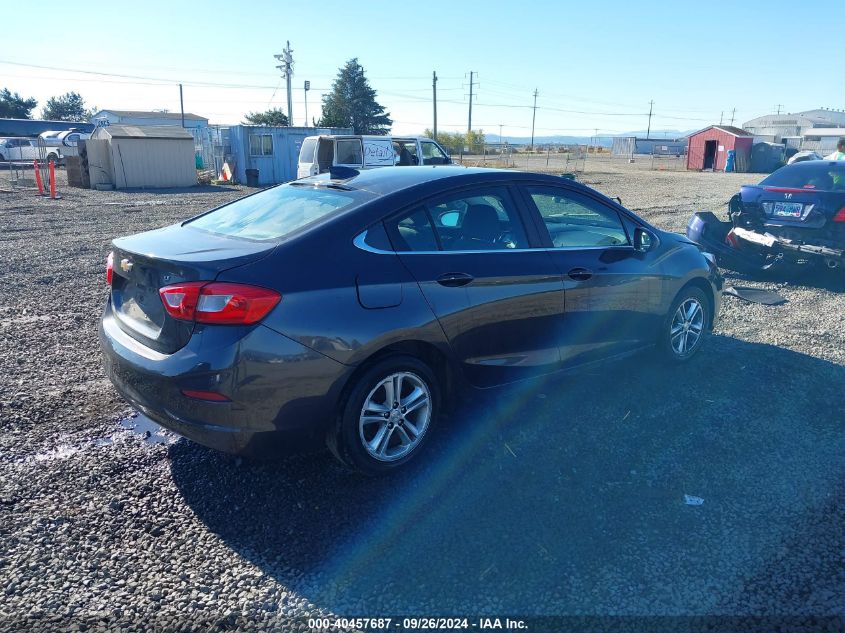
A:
(148, 430)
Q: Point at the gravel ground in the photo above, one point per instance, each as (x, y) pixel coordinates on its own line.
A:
(562, 496)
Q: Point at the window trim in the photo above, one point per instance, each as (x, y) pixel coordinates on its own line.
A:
(543, 230)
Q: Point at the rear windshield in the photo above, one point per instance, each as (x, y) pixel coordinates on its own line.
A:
(306, 154)
(824, 175)
(275, 213)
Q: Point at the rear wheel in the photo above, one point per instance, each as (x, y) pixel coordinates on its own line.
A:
(387, 416)
(685, 326)
(53, 157)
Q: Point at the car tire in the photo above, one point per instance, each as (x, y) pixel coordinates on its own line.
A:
(374, 436)
(685, 326)
(54, 158)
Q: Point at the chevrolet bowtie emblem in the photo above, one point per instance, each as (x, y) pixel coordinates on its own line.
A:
(126, 265)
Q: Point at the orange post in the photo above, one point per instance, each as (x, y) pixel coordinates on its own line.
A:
(52, 180)
(38, 177)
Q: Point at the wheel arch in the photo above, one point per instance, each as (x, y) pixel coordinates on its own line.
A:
(704, 285)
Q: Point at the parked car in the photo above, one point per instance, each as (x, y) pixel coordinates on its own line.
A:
(350, 310)
(319, 154)
(26, 150)
(796, 215)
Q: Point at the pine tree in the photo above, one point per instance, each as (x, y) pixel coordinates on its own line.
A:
(352, 103)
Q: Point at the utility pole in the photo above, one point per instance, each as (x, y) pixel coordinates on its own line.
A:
(181, 105)
(595, 140)
(779, 106)
(286, 57)
(650, 107)
(307, 88)
(733, 116)
(721, 117)
(434, 99)
(533, 118)
(469, 123)
(500, 133)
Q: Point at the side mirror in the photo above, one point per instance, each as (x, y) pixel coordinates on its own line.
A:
(643, 240)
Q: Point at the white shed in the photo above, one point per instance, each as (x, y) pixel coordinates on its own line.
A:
(150, 157)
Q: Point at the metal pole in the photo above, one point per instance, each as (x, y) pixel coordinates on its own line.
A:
(469, 123)
(434, 99)
(307, 86)
(533, 118)
(650, 106)
(181, 105)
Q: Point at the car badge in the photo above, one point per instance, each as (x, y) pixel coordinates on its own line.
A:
(126, 265)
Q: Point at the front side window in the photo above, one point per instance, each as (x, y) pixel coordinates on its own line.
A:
(349, 152)
(575, 221)
(433, 155)
(260, 145)
(275, 213)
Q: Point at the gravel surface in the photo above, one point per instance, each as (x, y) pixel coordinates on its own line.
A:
(561, 496)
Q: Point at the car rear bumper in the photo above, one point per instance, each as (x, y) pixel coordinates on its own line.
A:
(282, 394)
(795, 248)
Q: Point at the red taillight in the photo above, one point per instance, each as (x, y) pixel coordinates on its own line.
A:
(109, 268)
(218, 302)
(840, 215)
(212, 396)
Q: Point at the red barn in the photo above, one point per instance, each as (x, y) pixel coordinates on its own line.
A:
(708, 148)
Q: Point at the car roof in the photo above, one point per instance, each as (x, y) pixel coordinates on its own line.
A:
(387, 180)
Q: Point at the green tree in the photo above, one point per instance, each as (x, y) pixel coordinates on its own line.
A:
(352, 103)
(274, 117)
(68, 107)
(14, 106)
(457, 142)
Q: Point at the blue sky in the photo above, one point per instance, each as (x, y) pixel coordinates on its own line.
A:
(596, 64)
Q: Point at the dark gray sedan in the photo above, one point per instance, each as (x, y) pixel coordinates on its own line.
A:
(348, 308)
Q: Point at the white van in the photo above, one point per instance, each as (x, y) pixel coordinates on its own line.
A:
(320, 153)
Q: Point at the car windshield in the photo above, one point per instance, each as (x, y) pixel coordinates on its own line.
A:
(821, 174)
(277, 212)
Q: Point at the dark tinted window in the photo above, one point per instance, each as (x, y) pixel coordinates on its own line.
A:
(275, 213)
(478, 220)
(413, 232)
(817, 174)
(576, 221)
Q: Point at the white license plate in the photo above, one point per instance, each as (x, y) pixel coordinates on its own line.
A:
(787, 209)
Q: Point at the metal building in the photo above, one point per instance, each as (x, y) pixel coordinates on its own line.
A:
(273, 151)
(775, 127)
(143, 118)
(708, 148)
(630, 145)
(151, 157)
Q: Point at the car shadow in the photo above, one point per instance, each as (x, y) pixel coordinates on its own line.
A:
(575, 494)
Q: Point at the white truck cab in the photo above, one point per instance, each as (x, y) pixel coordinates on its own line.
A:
(320, 153)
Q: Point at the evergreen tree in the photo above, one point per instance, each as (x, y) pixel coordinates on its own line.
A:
(14, 106)
(352, 103)
(68, 107)
(274, 117)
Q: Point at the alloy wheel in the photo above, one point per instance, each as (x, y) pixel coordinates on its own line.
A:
(687, 327)
(395, 416)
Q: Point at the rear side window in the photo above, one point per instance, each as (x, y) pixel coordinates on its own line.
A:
(413, 232)
(821, 174)
(274, 213)
(306, 152)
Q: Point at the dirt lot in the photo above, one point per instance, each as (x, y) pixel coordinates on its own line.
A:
(559, 497)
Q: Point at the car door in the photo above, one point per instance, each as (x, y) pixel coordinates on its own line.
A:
(613, 292)
(433, 154)
(497, 295)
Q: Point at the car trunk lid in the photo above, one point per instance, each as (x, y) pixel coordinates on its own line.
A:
(147, 262)
(787, 206)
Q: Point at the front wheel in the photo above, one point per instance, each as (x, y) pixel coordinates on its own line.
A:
(685, 325)
(387, 416)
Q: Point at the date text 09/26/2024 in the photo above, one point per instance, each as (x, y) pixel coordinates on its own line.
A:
(414, 624)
